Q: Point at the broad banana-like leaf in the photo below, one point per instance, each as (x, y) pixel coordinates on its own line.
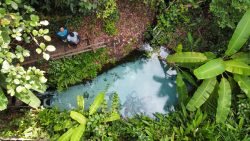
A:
(244, 83)
(66, 136)
(186, 57)
(237, 67)
(96, 104)
(80, 102)
(78, 117)
(202, 94)
(29, 98)
(224, 101)
(113, 117)
(78, 132)
(242, 57)
(3, 100)
(210, 69)
(181, 89)
(189, 78)
(233, 84)
(210, 55)
(210, 106)
(190, 66)
(240, 36)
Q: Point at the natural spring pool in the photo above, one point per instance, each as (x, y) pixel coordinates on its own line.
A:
(144, 86)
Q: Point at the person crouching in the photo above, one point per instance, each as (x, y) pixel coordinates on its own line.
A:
(73, 39)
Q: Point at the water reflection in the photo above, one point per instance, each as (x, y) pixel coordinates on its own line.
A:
(144, 87)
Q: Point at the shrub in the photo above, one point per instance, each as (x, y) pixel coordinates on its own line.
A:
(229, 12)
(69, 71)
(110, 28)
(63, 6)
(168, 21)
(108, 12)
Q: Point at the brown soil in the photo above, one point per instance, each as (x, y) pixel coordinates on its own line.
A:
(134, 19)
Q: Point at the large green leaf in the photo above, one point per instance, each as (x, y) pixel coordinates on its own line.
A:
(244, 83)
(78, 132)
(240, 36)
(29, 98)
(242, 57)
(66, 136)
(224, 101)
(201, 94)
(3, 100)
(210, 55)
(190, 66)
(210, 69)
(237, 67)
(189, 78)
(80, 102)
(78, 117)
(186, 57)
(210, 106)
(96, 104)
(181, 89)
(113, 117)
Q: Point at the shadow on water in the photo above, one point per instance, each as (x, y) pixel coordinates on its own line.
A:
(166, 89)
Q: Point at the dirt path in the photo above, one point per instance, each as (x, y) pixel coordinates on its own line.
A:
(134, 19)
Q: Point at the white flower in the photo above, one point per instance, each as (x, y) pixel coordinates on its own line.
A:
(5, 67)
(28, 86)
(45, 22)
(16, 81)
(19, 89)
(11, 92)
(46, 56)
(50, 48)
(43, 79)
(27, 77)
(39, 51)
(18, 38)
(26, 53)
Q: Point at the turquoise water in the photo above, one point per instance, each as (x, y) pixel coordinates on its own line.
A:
(144, 87)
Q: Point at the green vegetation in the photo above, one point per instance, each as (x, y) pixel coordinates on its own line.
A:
(21, 28)
(55, 125)
(109, 14)
(179, 125)
(69, 71)
(213, 81)
(228, 12)
(208, 67)
(105, 10)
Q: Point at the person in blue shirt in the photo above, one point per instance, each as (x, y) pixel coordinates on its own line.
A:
(63, 33)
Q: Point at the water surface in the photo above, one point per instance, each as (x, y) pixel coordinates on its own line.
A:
(144, 87)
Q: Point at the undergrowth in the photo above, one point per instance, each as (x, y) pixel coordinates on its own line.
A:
(69, 71)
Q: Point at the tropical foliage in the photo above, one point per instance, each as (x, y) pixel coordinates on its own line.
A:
(69, 71)
(21, 30)
(69, 6)
(210, 69)
(228, 12)
(80, 123)
(179, 125)
(213, 81)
